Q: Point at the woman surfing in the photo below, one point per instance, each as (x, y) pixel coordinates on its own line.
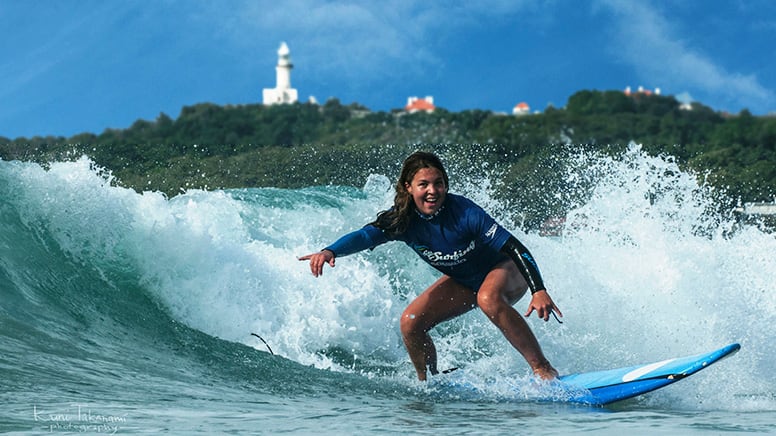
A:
(483, 264)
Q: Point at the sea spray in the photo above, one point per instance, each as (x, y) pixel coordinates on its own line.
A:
(644, 269)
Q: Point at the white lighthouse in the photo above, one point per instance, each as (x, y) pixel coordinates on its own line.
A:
(282, 92)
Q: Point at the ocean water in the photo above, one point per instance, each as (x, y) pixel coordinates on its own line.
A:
(128, 313)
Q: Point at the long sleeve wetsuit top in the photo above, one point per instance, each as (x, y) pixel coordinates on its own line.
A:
(461, 240)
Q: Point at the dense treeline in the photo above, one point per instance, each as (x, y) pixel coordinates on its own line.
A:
(210, 146)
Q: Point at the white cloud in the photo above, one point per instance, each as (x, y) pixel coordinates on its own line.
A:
(361, 39)
(652, 43)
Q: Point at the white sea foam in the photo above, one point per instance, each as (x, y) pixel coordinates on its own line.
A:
(642, 273)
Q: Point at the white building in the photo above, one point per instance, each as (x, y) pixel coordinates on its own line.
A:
(521, 108)
(685, 101)
(282, 92)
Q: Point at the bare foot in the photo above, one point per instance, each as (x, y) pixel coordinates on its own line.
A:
(546, 372)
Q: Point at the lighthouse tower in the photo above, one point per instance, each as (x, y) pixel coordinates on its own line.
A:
(282, 92)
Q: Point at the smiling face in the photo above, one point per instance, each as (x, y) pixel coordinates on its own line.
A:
(428, 190)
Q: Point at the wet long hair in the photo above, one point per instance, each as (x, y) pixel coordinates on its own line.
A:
(396, 220)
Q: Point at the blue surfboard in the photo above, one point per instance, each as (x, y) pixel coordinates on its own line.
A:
(599, 387)
(604, 387)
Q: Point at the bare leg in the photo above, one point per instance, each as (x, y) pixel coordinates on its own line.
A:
(503, 286)
(443, 300)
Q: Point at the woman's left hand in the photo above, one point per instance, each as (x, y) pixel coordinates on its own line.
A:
(543, 305)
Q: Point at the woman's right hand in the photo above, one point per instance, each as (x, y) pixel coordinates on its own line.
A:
(317, 260)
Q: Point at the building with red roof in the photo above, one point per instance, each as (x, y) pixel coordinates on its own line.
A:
(521, 108)
(641, 91)
(415, 104)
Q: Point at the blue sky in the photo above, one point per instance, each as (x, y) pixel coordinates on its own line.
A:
(73, 66)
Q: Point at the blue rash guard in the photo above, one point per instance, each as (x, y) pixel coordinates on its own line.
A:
(461, 240)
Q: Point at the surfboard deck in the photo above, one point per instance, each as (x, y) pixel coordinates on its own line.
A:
(608, 386)
(598, 388)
